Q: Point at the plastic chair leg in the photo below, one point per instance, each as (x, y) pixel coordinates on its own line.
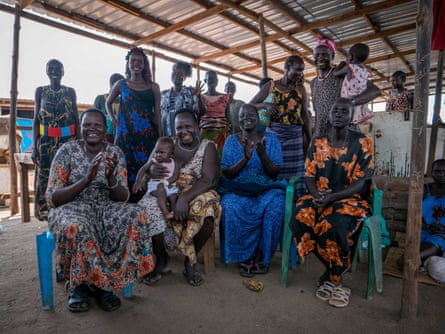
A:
(374, 254)
(45, 247)
(287, 240)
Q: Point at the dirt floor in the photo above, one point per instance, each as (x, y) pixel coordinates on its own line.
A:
(221, 305)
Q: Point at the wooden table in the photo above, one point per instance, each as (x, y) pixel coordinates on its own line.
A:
(24, 165)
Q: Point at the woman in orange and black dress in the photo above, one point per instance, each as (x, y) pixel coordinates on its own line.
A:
(328, 219)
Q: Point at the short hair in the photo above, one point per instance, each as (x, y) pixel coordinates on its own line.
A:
(360, 51)
(185, 66)
(115, 77)
(292, 60)
(146, 73)
(435, 162)
(263, 81)
(166, 140)
(56, 61)
(249, 106)
(93, 110)
(399, 74)
(186, 111)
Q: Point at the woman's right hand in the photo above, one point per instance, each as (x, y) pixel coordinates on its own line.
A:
(94, 167)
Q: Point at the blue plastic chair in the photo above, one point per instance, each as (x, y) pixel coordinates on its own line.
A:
(45, 247)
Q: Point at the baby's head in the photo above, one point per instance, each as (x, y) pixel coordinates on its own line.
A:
(164, 149)
(398, 79)
(358, 53)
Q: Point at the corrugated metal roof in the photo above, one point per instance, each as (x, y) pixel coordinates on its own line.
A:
(225, 33)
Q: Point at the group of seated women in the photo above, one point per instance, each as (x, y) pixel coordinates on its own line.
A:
(104, 243)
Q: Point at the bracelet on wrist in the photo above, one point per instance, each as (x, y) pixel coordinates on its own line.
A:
(114, 186)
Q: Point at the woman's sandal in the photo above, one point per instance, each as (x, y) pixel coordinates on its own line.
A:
(78, 299)
(245, 270)
(107, 300)
(325, 291)
(151, 278)
(340, 297)
(194, 279)
(259, 269)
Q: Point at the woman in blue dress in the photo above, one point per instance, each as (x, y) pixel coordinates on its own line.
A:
(252, 199)
(138, 124)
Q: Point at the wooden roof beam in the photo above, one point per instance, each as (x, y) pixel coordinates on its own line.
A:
(309, 26)
(182, 24)
(385, 40)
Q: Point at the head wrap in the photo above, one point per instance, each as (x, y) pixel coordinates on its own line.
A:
(325, 42)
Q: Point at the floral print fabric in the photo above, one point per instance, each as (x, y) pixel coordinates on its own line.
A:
(98, 241)
(332, 231)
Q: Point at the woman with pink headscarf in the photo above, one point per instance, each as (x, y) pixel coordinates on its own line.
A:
(326, 87)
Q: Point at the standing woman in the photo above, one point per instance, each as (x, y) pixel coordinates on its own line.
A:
(56, 121)
(215, 123)
(290, 118)
(179, 97)
(138, 124)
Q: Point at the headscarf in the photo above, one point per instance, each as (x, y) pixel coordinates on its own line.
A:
(325, 42)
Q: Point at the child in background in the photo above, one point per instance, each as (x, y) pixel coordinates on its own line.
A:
(163, 155)
(355, 80)
(400, 99)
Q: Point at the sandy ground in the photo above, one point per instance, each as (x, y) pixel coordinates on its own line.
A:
(221, 305)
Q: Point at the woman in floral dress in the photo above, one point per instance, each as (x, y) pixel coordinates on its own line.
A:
(290, 118)
(328, 219)
(102, 243)
(138, 124)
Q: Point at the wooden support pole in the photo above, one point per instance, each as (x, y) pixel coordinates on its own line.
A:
(263, 47)
(408, 308)
(14, 206)
(198, 73)
(153, 65)
(436, 115)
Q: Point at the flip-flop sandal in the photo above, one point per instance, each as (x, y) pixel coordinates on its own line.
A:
(106, 300)
(194, 279)
(259, 269)
(78, 300)
(340, 297)
(325, 291)
(245, 270)
(152, 278)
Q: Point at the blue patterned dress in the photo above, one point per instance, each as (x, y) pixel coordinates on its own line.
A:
(137, 132)
(251, 222)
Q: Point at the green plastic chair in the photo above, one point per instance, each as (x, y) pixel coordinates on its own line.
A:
(373, 238)
(374, 235)
(287, 233)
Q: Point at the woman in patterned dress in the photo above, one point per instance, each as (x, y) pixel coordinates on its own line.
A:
(215, 122)
(328, 219)
(179, 96)
(138, 124)
(56, 121)
(102, 243)
(290, 118)
(198, 210)
(400, 99)
(251, 196)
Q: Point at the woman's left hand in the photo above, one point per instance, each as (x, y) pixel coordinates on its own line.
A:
(110, 164)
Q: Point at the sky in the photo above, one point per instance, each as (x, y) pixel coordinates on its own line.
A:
(88, 63)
